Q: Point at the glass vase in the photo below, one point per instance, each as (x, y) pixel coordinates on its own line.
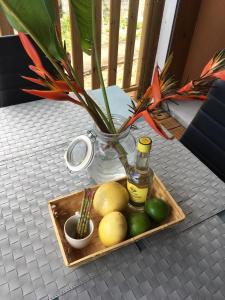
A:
(105, 157)
(113, 153)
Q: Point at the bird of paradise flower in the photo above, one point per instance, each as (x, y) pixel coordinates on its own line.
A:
(162, 88)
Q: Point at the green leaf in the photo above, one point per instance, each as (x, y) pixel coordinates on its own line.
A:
(37, 18)
(83, 11)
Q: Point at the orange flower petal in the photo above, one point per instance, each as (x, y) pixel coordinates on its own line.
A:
(153, 124)
(41, 72)
(156, 94)
(55, 95)
(207, 68)
(52, 95)
(64, 86)
(150, 121)
(186, 87)
(185, 97)
(35, 80)
(133, 119)
(29, 48)
(220, 75)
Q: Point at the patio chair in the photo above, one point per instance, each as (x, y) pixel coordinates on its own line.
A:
(205, 136)
(13, 63)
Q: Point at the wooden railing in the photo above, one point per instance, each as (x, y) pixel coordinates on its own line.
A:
(153, 10)
(5, 28)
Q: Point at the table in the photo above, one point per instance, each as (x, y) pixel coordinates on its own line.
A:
(185, 262)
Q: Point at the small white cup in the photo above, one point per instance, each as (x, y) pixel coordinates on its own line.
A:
(69, 231)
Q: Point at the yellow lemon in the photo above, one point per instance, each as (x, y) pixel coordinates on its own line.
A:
(112, 228)
(110, 196)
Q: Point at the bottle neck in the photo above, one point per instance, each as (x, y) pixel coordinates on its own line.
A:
(142, 160)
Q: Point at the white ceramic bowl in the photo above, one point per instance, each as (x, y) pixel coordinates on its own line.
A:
(69, 231)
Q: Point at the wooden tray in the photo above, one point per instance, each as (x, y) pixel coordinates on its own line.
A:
(62, 208)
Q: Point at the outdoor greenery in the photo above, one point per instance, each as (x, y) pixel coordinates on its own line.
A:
(65, 26)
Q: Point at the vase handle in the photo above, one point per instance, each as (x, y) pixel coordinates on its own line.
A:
(92, 136)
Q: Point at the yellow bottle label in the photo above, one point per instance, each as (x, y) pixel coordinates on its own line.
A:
(137, 194)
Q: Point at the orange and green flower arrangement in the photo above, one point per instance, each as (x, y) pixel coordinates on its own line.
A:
(38, 20)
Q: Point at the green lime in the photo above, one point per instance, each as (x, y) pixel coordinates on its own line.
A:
(157, 209)
(138, 222)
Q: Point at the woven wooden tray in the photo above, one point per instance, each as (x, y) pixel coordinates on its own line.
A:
(62, 208)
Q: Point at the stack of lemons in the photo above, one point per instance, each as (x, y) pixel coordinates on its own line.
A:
(109, 201)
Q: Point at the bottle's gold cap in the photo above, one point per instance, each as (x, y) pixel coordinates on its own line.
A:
(144, 144)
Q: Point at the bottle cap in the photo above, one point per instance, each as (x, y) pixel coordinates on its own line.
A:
(144, 144)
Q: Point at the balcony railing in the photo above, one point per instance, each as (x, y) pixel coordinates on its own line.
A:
(152, 16)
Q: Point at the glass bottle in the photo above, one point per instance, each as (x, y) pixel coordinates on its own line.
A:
(140, 176)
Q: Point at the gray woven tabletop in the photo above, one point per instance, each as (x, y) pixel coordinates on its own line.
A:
(34, 137)
(190, 265)
(34, 126)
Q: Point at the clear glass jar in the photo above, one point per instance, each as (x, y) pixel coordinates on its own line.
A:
(106, 164)
(104, 156)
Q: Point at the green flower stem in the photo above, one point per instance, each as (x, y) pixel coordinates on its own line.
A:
(112, 127)
(123, 126)
(101, 113)
(122, 156)
(99, 110)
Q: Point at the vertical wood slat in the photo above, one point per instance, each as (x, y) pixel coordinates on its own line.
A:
(57, 5)
(182, 32)
(98, 10)
(113, 40)
(130, 42)
(77, 54)
(5, 27)
(153, 12)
